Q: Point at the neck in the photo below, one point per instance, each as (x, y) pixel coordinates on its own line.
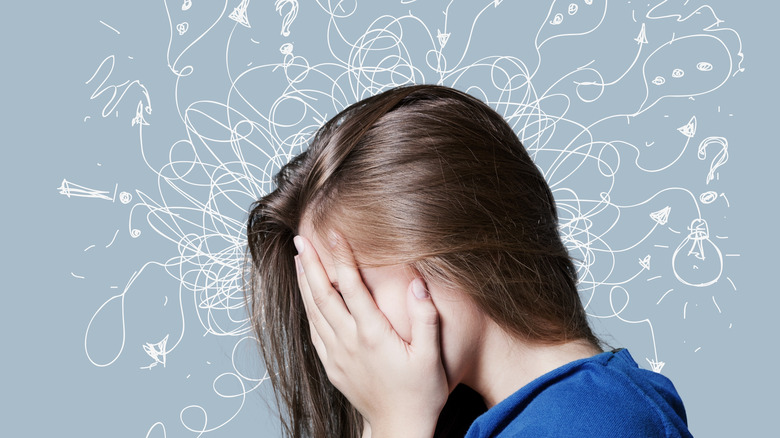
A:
(507, 363)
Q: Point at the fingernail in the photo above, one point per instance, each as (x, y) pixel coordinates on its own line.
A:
(298, 241)
(298, 266)
(333, 238)
(418, 288)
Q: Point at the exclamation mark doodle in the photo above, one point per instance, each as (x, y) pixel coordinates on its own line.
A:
(291, 14)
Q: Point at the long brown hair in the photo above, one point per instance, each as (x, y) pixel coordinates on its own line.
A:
(423, 175)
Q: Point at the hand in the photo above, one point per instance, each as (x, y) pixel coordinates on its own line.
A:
(398, 387)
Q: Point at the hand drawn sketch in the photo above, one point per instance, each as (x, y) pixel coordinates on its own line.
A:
(604, 95)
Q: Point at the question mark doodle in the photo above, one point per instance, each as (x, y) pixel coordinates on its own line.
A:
(291, 14)
(720, 158)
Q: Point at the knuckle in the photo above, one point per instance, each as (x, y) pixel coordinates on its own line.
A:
(369, 336)
(320, 299)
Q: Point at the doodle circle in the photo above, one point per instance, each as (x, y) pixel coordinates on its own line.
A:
(182, 28)
(678, 73)
(125, 197)
(708, 197)
(659, 80)
(704, 66)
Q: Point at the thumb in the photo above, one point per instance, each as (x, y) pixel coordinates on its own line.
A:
(424, 318)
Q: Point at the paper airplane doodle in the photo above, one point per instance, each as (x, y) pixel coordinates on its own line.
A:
(645, 262)
(642, 37)
(69, 189)
(689, 129)
(661, 216)
(655, 365)
(239, 14)
(157, 352)
(443, 37)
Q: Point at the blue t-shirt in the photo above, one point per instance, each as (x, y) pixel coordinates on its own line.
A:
(606, 395)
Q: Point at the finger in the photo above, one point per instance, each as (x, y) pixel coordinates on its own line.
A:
(319, 346)
(324, 297)
(356, 295)
(318, 326)
(424, 318)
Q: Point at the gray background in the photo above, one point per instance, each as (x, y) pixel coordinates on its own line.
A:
(74, 368)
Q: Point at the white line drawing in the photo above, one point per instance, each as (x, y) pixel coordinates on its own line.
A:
(239, 14)
(125, 197)
(70, 189)
(104, 24)
(664, 295)
(568, 117)
(288, 19)
(125, 86)
(720, 158)
(697, 260)
(157, 352)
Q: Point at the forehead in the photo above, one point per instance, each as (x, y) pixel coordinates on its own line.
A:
(371, 276)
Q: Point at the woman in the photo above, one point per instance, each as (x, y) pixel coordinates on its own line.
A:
(408, 279)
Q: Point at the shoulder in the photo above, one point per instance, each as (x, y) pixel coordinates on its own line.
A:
(607, 395)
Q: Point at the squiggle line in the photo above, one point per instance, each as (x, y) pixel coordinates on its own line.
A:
(617, 209)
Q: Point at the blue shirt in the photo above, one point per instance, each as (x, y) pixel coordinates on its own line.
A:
(606, 395)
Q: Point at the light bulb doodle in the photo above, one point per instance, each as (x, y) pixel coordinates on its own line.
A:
(702, 262)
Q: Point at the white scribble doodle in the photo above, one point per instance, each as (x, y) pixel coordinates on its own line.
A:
(609, 137)
(157, 352)
(720, 158)
(125, 197)
(661, 217)
(139, 115)
(663, 296)
(70, 189)
(288, 19)
(104, 24)
(645, 262)
(708, 197)
(182, 27)
(125, 86)
(697, 260)
(112, 239)
(239, 14)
